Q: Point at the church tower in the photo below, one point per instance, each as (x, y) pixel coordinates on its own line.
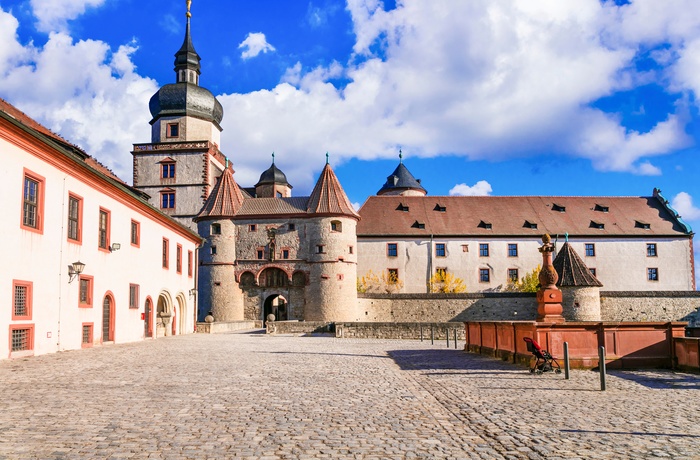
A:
(179, 167)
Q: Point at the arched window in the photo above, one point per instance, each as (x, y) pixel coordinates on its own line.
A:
(274, 277)
(247, 279)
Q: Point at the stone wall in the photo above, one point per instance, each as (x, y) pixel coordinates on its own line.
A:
(414, 331)
(298, 327)
(650, 306)
(217, 328)
(504, 306)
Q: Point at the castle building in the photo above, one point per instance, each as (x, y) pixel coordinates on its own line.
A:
(88, 261)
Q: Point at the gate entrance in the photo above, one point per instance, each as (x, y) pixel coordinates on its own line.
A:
(277, 305)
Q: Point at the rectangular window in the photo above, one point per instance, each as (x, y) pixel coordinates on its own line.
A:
(653, 274)
(392, 249)
(87, 335)
(483, 250)
(513, 276)
(85, 291)
(440, 250)
(166, 249)
(512, 250)
(172, 130)
(75, 218)
(392, 275)
(189, 263)
(441, 272)
(291, 227)
(336, 226)
(22, 338)
(351, 249)
(593, 271)
(21, 300)
(252, 227)
(285, 253)
(135, 233)
(651, 249)
(216, 229)
(103, 230)
(133, 296)
(33, 202)
(261, 254)
(590, 250)
(212, 250)
(178, 258)
(167, 200)
(320, 249)
(167, 170)
(484, 275)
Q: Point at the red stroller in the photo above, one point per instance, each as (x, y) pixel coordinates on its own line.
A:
(545, 361)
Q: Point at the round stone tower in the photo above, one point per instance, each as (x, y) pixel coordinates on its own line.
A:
(332, 240)
(218, 291)
(580, 288)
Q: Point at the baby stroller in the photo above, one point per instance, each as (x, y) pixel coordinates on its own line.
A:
(545, 361)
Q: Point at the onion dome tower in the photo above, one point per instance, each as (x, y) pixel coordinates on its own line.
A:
(273, 183)
(333, 252)
(218, 294)
(402, 182)
(184, 111)
(580, 288)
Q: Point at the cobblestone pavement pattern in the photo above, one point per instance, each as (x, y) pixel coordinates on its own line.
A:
(255, 396)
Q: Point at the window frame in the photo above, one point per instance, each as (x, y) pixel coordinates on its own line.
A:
(38, 226)
(285, 254)
(652, 250)
(252, 228)
(215, 229)
(484, 250)
(178, 258)
(593, 271)
(512, 249)
(90, 286)
(482, 272)
(168, 170)
(389, 272)
(392, 247)
(653, 274)
(168, 200)
(28, 300)
(107, 230)
(91, 341)
(336, 226)
(135, 225)
(190, 257)
(589, 249)
(30, 337)
(510, 272)
(134, 295)
(78, 219)
(440, 249)
(165, 254)
(169, 130)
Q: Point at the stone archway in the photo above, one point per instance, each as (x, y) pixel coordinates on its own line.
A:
(148, 318)
(181, 315)
(164, 314)
(275, 304)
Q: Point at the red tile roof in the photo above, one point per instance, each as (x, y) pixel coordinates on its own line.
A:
(224, 200)
(328, 196)
(273, 206)
(510, 216)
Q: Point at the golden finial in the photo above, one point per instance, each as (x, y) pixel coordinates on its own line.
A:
(189, 5)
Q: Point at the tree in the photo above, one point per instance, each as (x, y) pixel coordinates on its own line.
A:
(388, 282)
(528, 283)
(445, 282)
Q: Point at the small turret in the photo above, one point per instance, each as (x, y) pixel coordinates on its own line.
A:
(580, 288)
(273, 183)
(402, 182)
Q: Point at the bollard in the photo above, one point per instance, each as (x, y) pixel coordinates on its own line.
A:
(601, 367)
(421, 332)
(447, 334)
(432, 335)
(455, 331)
(566, 360)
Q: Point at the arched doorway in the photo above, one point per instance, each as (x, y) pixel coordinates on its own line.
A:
(181, 314)
(108, 319)
(277, 305)
(164, 315)
(173, 321)
(148, 318)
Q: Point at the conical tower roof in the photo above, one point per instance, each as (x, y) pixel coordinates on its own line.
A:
(273, 175)
(401, 179)
(186, 57)
(572, 270)
(225, 199)
(328, 196)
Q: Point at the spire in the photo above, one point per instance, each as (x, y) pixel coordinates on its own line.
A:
(328, 196)
(225, 199)
(187, 67)
(402, 182)
(400, 156)
(572, 270)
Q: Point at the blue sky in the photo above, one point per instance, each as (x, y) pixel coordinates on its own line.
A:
(577, 97)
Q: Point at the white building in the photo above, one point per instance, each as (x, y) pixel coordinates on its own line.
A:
(62, 207)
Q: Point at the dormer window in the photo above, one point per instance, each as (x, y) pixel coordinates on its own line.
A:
(558, 207)
(600, 208)
(401, 207)
(530, 225)
(486, 225)
(172, 130)
(439, 208)
(597, 225)
(417, 224)
(643, 225)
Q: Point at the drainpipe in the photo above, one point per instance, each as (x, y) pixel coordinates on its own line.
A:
(430, 264)
(195, 268)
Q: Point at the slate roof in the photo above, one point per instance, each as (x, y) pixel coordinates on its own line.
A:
(485, 216)
(401, 179)
(224, 200)
(572, 270)
(187, 57)
(328, 197)
(273, 175)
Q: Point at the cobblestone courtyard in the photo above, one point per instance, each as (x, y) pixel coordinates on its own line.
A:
(251, 395)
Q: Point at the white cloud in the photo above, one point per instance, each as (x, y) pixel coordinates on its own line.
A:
(83, 90)
(481, 188)
(254, 44)
(53, 15)
(683, 203)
